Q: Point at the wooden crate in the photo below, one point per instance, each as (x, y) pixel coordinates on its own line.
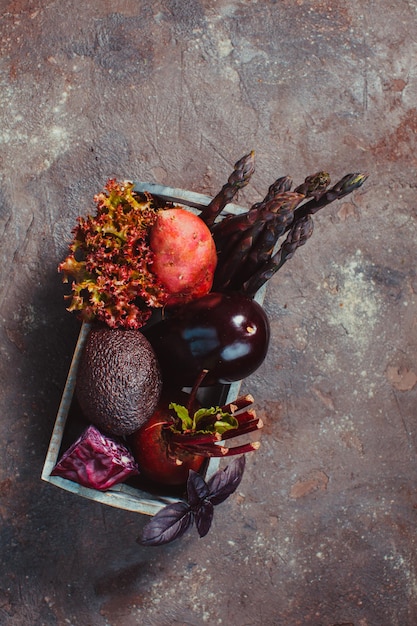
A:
(125, 496)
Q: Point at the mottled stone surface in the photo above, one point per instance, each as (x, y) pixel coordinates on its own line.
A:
(322, 530)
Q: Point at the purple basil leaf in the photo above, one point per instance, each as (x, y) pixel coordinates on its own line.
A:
(197, 488)
(224, 482)
(96, 461)
(168, 524)
(204, 517)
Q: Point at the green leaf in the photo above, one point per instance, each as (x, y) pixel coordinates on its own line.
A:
(202, 421)
(205, 412)
(183, 414)
(228, 423)
(219, 423)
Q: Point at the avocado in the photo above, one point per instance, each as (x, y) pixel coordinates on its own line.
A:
(118, 381)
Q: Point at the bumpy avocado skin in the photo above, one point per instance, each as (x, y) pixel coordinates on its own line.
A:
(118, 381)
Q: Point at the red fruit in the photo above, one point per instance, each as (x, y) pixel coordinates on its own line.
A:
(178, 438)
(158, 461)
(185, 255)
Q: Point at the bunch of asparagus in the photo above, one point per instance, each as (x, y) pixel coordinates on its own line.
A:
(249, 244)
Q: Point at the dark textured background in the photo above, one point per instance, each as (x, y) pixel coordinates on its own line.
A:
(322, 530)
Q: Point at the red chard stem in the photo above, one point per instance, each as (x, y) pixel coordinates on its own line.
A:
(248, 427)
(240, 403)
(243, 449)
(183, 440)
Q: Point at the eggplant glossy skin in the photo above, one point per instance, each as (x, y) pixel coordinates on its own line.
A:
(227, 334)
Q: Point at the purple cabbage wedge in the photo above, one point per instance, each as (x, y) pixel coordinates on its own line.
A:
(96, 461)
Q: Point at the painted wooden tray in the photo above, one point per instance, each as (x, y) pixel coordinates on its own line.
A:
(125, 496)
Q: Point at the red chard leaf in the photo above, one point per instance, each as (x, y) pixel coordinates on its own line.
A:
(224, 482)
(167, 525)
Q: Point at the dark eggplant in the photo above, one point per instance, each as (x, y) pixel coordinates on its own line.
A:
(226, 334)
